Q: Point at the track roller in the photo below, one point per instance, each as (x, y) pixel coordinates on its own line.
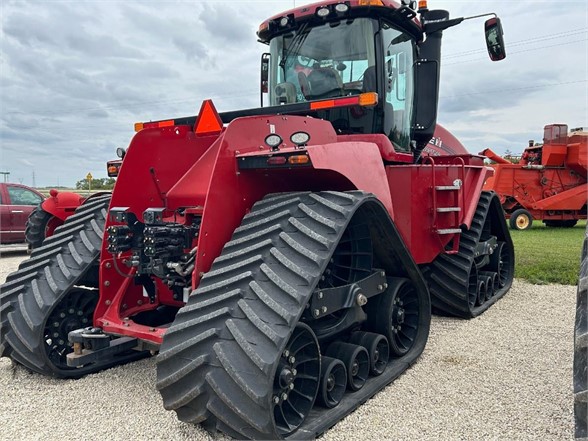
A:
(492, 284)
(356, 360)
(482, 291)
(377, 347)
(333, 382)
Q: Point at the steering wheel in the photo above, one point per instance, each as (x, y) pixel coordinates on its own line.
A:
(304, 85)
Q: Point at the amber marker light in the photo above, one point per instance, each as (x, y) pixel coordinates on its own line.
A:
(422, 4)
(371, 3)
(368, 99)
(298, 159)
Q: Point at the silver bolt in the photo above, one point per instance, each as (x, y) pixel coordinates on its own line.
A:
(316, 312)
(62, 315)
(291, 386)
(294, 372)
(106, 283)
(61, 342)
(324, 309)
(56, 334)
(108, 265)
(320, 295)
(292, 360)
(286, 353)
(361, 299)
(139, 302)
(108, 302)
(284, 396)
(276, 400)
(383, 273)
(71, 310)
(56, 324)
(380, 287)
(385, 285)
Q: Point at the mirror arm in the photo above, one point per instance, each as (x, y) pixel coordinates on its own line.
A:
(441, 25)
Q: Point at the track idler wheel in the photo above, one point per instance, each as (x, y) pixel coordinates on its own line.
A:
(395, 314)
(356, 360)
(296, 380)
(377, 347)
(333, 382)
(500, 263)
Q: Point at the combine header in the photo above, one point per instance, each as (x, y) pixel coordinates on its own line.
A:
(549, 181)
(281, 260)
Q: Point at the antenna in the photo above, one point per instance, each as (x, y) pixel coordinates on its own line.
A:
(5, 173)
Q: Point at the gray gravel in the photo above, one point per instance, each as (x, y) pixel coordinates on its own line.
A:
(506, 375)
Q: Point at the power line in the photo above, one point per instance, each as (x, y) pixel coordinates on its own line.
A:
(518, 52)
(514, 89)
(523, 42)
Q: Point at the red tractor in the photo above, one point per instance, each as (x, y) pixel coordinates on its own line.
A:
(549, 181)
(282, 260)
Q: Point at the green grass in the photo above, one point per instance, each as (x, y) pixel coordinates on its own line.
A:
(548, 255)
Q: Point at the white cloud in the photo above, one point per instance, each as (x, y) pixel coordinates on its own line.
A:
(75, 76)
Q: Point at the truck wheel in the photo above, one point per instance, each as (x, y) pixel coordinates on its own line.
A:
(521, 219)
(40, 225)
(581, 348)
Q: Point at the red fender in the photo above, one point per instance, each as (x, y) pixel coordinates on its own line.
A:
(62, 204)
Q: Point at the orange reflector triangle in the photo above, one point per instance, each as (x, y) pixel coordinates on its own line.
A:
(208, 121)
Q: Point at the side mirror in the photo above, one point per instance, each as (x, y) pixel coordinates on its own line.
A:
(494, 39)
(264, 81)
(426, 98)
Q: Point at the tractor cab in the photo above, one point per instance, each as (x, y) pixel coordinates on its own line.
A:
(336, 50)
(344, 58)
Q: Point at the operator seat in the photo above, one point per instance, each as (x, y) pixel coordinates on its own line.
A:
(325, 82)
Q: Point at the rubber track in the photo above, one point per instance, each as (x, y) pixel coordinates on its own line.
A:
(35, 227)
(29, 294)
(448, 274)
(217, 360)
(581, 349)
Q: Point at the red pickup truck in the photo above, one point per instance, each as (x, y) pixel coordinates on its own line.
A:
(17, 202)
(26, 215)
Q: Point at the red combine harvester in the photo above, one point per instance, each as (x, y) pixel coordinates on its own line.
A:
(282, 260)
(549, 181)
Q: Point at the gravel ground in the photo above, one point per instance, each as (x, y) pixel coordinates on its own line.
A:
(506, 375)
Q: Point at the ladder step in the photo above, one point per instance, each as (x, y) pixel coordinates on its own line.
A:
(449, 231)
(448, 209)
(446, 187)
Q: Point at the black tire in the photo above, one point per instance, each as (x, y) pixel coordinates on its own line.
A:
(36, 299)
(521, 220)
(581, 348)
(570, 223)
(36, 227)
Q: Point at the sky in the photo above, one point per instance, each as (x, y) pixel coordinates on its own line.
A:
(76, 75)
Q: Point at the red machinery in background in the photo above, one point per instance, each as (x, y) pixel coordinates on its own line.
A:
(549, 181)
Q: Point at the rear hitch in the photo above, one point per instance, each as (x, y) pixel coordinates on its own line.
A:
(92, 345)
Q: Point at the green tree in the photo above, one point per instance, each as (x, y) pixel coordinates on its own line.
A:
(97, 184)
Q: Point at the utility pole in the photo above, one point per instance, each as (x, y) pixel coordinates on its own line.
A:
(6, 173)
(34, 181)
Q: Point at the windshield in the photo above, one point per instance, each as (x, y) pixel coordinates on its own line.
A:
(322, 62)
